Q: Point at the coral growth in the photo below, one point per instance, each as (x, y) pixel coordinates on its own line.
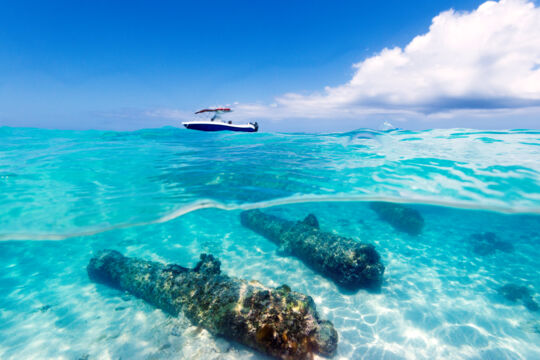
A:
(519, 293)
(488, 243)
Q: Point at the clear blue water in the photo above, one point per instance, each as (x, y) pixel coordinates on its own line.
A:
(170, 194)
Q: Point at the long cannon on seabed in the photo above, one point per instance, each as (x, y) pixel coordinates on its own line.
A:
(349, 263)
(276, 321)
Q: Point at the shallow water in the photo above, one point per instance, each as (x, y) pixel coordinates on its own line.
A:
(169, 194)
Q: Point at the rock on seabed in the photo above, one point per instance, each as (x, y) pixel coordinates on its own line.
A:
(400, 217)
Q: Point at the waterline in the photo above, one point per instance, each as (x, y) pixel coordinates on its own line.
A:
(299, 199)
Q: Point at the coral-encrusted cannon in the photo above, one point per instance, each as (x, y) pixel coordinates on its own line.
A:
(351, 264)
(276, 321)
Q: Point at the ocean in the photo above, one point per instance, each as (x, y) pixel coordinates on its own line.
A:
(464, 284)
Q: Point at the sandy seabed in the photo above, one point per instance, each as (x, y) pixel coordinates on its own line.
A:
(439, 299)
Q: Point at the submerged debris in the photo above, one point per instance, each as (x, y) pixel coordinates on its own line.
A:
(401, 217)
(349, 263)
(488, 243)
(532, 326)
(45, 308)
(279, 322)
(519, 293)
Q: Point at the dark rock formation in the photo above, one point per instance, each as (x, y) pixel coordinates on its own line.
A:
(532, 326)
(278, 322)
(401, 217)
(518, 293)
(350, 264)
(488, 243)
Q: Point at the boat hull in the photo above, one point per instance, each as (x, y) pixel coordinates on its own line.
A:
(220, 127)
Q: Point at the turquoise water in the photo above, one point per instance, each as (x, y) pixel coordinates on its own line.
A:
(170, 194)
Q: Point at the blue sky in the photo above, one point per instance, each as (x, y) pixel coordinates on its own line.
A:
(127, 65)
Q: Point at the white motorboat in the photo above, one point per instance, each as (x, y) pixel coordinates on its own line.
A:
(216, 124)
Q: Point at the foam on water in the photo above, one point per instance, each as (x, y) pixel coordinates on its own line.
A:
(137, 192)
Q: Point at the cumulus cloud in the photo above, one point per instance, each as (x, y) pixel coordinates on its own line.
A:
(485, 59)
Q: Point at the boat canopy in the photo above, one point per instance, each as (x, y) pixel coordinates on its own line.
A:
(216, 110)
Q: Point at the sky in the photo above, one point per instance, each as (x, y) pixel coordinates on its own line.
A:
(290, 65)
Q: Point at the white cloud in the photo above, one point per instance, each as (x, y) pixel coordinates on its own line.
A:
(481, 60)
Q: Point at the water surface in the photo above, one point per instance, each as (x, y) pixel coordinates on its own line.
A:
(170, 194)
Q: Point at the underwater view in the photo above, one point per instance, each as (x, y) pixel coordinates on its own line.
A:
(173, 244)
